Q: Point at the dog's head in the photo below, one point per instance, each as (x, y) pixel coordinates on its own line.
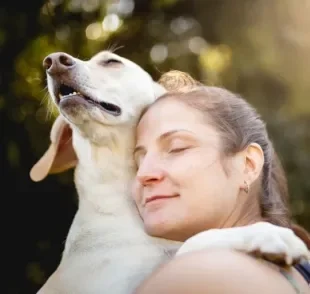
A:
(96, 98)
(106, 90)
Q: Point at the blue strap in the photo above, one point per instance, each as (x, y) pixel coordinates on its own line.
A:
(304, 269)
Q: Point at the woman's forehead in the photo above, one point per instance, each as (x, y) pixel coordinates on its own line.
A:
(166, 112)
(169, 115)
(163, 109)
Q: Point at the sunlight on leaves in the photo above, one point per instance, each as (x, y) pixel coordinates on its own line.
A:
(216, 58)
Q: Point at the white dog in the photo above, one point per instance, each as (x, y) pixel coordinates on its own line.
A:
(107, 250)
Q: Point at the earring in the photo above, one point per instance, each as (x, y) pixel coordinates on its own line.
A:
(247, 187)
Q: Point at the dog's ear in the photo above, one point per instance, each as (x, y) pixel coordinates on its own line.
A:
(60, 155)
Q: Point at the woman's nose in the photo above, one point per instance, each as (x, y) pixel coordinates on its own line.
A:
(149, 179)
(149, 174)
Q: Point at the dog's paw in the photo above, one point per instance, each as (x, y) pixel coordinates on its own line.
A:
(273, 243)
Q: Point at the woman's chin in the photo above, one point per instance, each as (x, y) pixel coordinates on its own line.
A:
(162, 229)
(166, 222)
(156, 227)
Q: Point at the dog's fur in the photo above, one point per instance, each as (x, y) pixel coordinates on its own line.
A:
(107, 250)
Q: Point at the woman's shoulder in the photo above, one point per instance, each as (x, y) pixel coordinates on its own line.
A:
(217, 272)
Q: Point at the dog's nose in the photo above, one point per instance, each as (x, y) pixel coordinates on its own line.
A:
(58, 62)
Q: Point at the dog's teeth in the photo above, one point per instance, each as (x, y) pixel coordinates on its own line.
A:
(71, 94)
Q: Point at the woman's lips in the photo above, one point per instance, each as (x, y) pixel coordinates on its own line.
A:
(159, 197)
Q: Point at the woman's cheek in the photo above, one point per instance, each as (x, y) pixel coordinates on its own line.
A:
(185, 165)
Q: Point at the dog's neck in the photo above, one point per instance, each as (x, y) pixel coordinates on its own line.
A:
(105, 171)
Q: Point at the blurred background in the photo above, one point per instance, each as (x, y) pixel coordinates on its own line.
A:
(258, 48)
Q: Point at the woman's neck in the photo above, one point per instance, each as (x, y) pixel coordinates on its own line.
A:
(244, 213)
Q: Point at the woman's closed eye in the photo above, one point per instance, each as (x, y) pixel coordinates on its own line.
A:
(177, 145)
(178, 149)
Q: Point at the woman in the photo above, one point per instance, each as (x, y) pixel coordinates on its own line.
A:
(207, 162)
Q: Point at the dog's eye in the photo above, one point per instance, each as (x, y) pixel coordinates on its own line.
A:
(110, 61)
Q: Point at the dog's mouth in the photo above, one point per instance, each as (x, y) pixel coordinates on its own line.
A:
(66, 92)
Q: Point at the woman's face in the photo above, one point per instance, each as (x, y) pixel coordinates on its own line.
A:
(181, 187)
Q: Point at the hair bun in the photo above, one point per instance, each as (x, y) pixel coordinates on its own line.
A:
(175, 80)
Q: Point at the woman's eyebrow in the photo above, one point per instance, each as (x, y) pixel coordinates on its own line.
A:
(173, 132)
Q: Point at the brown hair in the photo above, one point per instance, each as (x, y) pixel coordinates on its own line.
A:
(239, 124)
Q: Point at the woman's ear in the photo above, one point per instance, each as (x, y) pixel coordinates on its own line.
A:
(253, 162)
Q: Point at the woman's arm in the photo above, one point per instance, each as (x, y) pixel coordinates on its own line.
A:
(217, 272)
